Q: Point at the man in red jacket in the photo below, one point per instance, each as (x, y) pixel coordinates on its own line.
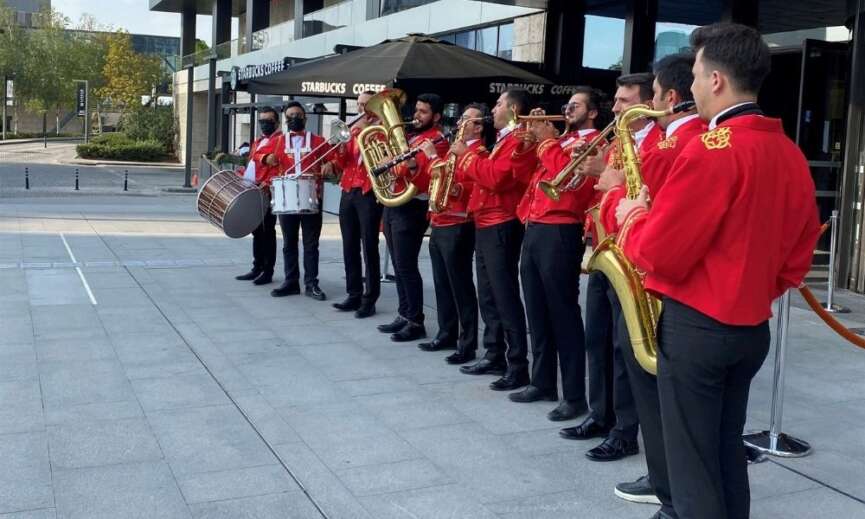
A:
(672, 86)
(359, 221)
(264, 236)
(405, 225)
(301, 149)
(500, 181)
(550, 264)
(452, 248)
(732, 228)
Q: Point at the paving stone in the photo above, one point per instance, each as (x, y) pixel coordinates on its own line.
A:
(139, 490)
(25, 481)
(178, 391)
(287, 505)
(207, 439)
(102, 443)
(392, 477)
(443, 502)
(21, 406)
(814, 504)
(45, 513)
(83, 382)
(233, 484)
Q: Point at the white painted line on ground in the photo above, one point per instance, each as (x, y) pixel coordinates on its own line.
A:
(78, 269)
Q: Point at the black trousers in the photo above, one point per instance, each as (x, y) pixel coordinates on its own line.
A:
(359, 220)
(550, 278)
(404, 228)
(497, 257)
(599, 349)
(645, 392)
(704, 375)
(264, 244)
(291, 225)
(627, 421)
(451, 250)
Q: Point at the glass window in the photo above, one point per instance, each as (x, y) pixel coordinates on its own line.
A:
(604, 42)
(488, 40)
(394, 6)
(671, 38)
(465, 39)
(506, 41)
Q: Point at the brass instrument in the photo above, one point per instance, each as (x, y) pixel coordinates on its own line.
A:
(382, 142)
(640, 309)
(442, 177)
(554, 188)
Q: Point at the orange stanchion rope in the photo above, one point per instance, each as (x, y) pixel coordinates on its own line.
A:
(830, 321)
(828, 318)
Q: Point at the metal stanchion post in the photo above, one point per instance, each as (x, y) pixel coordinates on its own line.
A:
(126, 180)
(774, 442)
(830, 305)
(26, 178)
(76, 179)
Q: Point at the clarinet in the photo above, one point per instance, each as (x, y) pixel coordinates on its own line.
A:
(410, 154)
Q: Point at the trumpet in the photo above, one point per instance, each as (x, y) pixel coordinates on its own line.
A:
(553, 188)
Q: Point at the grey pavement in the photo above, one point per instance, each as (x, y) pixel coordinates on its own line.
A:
(184, 393)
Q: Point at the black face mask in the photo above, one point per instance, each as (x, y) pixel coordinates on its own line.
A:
(267, 126)
(295, 124)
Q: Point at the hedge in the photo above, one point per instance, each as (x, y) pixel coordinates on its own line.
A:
(140, 151)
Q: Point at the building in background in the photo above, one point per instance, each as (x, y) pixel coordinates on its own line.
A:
(27, 11)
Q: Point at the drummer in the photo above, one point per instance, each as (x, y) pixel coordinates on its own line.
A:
(263, 171)
(301, 149)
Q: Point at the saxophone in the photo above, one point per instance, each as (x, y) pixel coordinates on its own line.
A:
(640, 309)
(442, 175)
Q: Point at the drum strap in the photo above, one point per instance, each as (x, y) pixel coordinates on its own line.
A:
(298, 150)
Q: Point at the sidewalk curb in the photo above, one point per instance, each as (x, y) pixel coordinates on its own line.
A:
(10, 142)
(153, 165)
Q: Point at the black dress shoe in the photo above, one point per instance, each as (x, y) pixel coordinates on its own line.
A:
(586, 430)
(264, 278)
(249, 276)
(348, 304)
(612, 449)
(485, 367)
(460, 357)
(409, 332)
(315, 292)
(639, 491)
(437, 345)
(567, 411)
(510, 381)
(365, 310)
(392, 327)
(285, 289)
(532, 394)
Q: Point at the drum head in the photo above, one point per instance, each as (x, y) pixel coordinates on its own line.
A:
(245, 213)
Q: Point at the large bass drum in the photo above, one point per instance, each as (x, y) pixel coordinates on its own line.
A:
(295, 195)
(236, 205)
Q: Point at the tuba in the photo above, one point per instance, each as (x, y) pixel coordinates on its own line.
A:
(383, 142)
(640, 309)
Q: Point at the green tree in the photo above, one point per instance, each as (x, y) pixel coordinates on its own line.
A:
(128, 75)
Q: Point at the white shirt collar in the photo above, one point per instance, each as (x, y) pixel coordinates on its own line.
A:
(583, 133)
(678, 123)
(640, 135)
(469, 143)
(714, 122)
(505, 131)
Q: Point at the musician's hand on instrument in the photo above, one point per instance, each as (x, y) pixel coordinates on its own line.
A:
(609, 179)
(543, 131)
(459, 148)
(327, 169)
(592, 166)
(627, 205)
(428, 149)
(270, 160)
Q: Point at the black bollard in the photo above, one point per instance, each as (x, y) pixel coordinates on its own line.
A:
(76, 179)
(126, 180)
(26, 178)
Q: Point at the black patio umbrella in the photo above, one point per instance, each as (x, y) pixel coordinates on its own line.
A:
(415, 64)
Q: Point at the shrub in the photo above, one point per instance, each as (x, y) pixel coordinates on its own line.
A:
(140, 151)
(112, 139)
(145, 123)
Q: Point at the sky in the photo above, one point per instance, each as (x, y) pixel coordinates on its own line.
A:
(132, 15)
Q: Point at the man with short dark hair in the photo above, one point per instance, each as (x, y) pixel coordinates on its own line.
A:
(405, 225)
(500, 181)
(733, 228)
(264, 236)
(359, 221)
(300, 150)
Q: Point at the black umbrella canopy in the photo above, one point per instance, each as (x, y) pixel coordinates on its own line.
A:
(415, 63)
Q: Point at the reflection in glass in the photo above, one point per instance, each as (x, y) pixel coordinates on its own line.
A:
(506, 41)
